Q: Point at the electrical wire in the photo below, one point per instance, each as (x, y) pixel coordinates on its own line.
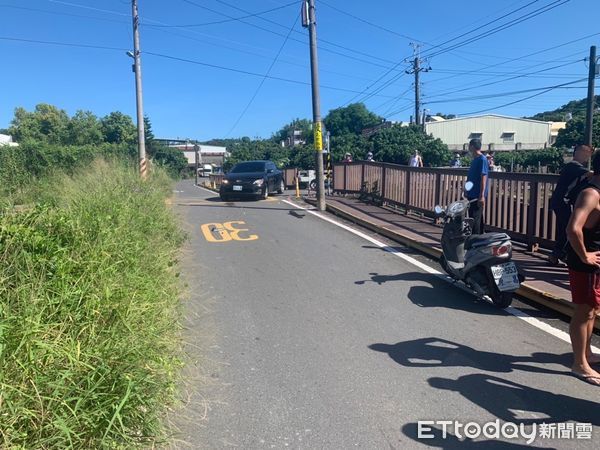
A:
(62, 44)
(193, 25)
(503, 27)
(335, 52)
(263, 79)
(247, 72)
(484, 25)
(503, 94)
(515, 102)
(504, 80)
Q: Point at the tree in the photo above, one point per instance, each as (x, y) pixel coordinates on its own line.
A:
(84, 128)
(573, 133)
(302, 125)
(398, 143)
(351, 119)
(118, 128)
(46, 123)
(356, 145)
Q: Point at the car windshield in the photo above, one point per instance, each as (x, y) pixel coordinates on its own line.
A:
(248, 167)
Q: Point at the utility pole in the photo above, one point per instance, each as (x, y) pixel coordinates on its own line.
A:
(416, 69)
(137, 68)
(589, 119)
(309, 18)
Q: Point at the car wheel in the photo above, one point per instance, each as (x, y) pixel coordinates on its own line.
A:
(313, 185)
(281, 187)
(223, 198)
(265, 194)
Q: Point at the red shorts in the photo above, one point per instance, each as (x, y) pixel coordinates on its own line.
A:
(585, 288)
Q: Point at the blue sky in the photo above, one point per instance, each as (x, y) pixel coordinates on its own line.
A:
(191, 100)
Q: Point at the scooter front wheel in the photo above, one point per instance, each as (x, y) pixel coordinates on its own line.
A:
(501, 299)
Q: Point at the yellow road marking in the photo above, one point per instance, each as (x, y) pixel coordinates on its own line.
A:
(226, 232)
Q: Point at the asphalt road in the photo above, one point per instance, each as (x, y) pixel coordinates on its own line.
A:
(311, 337)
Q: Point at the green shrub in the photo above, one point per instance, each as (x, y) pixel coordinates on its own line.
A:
(89, 312)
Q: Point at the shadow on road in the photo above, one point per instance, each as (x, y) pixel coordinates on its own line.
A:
(510, 401)
(436, 352)
(429, 296)
(503, 399)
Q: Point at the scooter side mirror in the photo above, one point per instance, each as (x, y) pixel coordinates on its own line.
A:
(438, 210)
(468, 186)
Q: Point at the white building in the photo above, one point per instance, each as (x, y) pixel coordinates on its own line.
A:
(499, 133)
(5, 139)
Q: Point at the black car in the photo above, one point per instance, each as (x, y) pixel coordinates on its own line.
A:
(252, 178)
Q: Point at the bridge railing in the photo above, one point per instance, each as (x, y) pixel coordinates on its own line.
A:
(518, 203)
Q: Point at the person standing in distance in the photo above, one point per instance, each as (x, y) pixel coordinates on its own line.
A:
(583, 259)
(573, 175)
(478, 175)
(416, 160)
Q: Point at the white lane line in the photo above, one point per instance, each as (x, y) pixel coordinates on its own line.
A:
(510, 310)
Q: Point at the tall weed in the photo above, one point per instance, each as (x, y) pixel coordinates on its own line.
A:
(89, 312)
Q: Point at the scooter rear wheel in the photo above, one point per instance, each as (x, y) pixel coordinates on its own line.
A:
(502, 299)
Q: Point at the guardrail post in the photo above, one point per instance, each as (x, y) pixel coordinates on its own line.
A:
(382, 189)
(437, 199)
(345, 176)
(407, 193)
(362, 174)
(532, 244)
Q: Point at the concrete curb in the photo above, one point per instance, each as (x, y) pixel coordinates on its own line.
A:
(546, 299)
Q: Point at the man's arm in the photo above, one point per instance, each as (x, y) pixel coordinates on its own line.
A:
(586, 203)
(482, 189)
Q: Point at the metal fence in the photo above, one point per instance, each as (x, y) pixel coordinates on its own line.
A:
(518, 203)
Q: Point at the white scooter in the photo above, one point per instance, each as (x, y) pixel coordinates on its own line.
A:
(482, 262)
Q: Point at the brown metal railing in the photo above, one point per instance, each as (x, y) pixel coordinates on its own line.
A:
(518, 203)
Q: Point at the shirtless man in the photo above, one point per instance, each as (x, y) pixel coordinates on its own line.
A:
(583, 259)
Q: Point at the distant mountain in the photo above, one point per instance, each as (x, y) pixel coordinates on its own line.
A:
(575, 107)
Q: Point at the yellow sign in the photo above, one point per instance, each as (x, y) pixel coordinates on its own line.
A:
(225, 232)
(318, 137)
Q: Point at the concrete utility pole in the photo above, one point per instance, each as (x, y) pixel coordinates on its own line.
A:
(137, 68)
(308, 9)
(416, 69)
(589, 118)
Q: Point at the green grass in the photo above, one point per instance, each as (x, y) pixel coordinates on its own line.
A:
(89, 312)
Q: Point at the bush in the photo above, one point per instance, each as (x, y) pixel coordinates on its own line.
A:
(551, 158)
(88, 312)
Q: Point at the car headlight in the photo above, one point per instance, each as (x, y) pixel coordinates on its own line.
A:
(224, 181)
(259, 182)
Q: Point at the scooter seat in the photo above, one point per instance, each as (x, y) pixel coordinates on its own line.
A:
(478, 240)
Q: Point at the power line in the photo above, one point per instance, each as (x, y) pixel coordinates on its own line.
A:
(62, 44)
(77, 5)
(514, 102)
(57, 13)
(502, 94)
(397, 64)
(527, 56)
(160, 55)
(246, 72)
(295, 2)
(374, 25)
(503, 80)
(505, 26)
(483, 26)
(264, 78)
(294, 39)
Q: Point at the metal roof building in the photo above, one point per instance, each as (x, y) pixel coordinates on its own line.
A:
(500, 133)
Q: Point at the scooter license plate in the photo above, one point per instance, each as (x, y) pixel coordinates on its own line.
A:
(506, 276)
